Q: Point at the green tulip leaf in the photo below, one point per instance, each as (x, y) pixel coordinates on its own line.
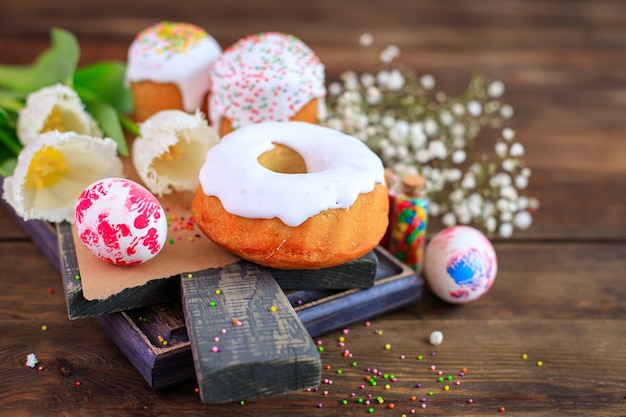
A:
(55, 65)
(7, 164)
(130, 125)
(109, 121)
(12, 101)
(104, 81)
(8, 136)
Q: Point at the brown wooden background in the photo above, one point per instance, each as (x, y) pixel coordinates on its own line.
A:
(560, 295)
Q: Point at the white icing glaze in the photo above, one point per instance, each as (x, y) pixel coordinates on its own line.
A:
(340, 167)
(265, 77)
(178, 53)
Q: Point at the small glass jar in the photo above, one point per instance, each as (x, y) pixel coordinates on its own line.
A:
(409, 219)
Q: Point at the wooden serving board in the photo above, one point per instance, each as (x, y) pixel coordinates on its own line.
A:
(265, 353)
(140, 333)
(359, 273)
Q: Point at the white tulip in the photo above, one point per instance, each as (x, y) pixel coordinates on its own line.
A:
(57, 107)
(54, 169)
(171, 150)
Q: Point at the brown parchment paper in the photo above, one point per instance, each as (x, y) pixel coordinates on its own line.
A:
(190, 251)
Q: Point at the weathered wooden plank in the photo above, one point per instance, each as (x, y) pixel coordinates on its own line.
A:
(246, 339)
(359, 273)
(558, 298)
(153, 292)
(152, 339)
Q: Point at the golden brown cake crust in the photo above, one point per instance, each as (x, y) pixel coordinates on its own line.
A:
(150, 98)
(330, 238)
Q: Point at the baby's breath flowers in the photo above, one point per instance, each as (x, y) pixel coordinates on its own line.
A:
(171, 150)
(417, 130)
(54, 169)
(56, 107)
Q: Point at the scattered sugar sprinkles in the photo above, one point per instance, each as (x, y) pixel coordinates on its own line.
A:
(181, 228)
(380, 390)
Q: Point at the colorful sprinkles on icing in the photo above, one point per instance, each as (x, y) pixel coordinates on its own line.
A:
(264, 77)
(167, 39)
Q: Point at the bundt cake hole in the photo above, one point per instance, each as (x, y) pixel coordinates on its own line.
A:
(283, 159)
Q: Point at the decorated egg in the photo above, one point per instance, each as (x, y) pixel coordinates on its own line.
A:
(120, 221)
(460, 264)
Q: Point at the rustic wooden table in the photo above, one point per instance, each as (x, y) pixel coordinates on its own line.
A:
(560, 295)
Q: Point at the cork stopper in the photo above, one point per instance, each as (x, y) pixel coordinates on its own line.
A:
(413, 185)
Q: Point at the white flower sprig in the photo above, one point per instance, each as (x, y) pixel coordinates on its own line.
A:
(416, 130)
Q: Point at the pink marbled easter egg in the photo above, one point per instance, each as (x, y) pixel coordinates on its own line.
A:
(120, 221)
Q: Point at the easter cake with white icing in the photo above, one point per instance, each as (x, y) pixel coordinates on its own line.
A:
(269, 76)
(168, 68)
(292, 195)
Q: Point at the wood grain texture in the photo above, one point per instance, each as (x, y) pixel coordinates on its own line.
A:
(581, 373)
(559, 295)
(246, 339)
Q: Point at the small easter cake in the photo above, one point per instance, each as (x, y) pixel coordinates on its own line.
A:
(269, 76)
(168, 68)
